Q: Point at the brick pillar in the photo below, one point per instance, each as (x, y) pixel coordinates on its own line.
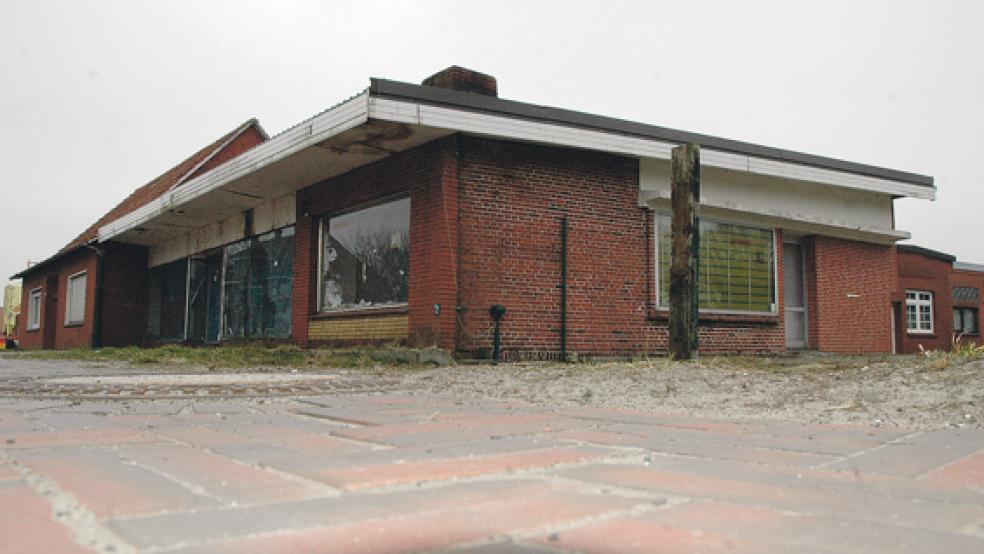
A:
(433, 295)
(305, 294)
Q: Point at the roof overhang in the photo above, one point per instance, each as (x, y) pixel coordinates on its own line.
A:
(390, 117)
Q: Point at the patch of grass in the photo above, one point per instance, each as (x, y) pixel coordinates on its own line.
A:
(248, 356)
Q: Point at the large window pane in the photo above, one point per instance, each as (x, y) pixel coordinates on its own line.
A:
(365, 261)
(167, 288)
(259, 276)
(736, 271)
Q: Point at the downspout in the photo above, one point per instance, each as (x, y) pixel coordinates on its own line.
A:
(97, 299)
(563, 289)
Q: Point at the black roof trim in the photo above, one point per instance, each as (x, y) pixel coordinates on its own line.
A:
(48, 261)
(481, 103)
(913, 249)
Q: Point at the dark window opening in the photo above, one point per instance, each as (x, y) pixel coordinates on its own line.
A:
(365, 258)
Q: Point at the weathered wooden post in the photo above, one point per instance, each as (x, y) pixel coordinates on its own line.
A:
(685, 198)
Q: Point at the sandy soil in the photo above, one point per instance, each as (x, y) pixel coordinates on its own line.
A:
(916, 392)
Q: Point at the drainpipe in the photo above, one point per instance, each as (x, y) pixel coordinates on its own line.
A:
(97, 299)
(563, 289)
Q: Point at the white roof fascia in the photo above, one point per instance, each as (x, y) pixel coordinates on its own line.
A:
(530, 130)
(345, 116)
(659, 200)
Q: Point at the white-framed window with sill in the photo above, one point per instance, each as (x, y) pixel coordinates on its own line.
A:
(75, 299)
(919, 311)
(34, 309)
(737, 267)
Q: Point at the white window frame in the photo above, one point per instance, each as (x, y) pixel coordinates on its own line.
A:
(919, 302)
(68, 298)
(775, 269)
(34, 301)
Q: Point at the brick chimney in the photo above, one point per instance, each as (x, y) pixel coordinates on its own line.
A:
(465, 80)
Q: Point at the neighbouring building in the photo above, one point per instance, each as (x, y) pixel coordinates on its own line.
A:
(405, 212)
(11, 308)
(938, 300)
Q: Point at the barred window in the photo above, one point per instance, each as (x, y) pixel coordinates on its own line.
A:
(736, 272)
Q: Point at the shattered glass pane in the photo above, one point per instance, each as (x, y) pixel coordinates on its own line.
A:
(365, 261)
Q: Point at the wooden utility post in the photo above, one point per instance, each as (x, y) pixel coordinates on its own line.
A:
(685, 197)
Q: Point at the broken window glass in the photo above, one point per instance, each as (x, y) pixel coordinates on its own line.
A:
(366, 257)
(236, 289)
(259, 276)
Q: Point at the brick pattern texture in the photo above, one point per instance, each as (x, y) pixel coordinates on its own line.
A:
(849, 293)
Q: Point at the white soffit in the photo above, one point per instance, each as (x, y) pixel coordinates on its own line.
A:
(500, 126)
(319, 128)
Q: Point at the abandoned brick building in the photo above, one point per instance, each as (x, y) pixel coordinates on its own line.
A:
(405, 212)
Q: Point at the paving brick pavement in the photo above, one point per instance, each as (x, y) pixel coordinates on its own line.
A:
(362, 469)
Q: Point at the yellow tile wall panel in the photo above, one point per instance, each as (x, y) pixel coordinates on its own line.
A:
(385, 327)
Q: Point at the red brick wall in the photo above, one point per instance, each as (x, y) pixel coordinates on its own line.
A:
(75, 336)
(248, 139)
(512, 197)
(960, 278)
(918, 272)
(849, 291)
(429, 176)
(124, 296)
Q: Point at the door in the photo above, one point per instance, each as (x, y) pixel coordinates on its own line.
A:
(794, 297)
(50, 312)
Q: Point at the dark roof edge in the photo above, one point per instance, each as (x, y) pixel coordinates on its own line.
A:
(913, 249)
(50, 260)
(478, 102)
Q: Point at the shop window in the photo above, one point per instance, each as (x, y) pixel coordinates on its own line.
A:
(365, 257)
(919, 311)
(167, 288)
(737, 269)
(258, 290)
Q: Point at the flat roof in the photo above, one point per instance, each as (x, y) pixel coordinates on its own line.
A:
(913, 249)
(491, 104)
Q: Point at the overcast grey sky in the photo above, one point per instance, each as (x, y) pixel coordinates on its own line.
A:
(97, 98)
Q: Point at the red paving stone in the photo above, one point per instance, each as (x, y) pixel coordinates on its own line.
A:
(968, 472)
(440, 529)
(63, 439)
(379, 475)
(430, 473)
(633, 535)
(111, 488)
(27, 525)
(218, 476)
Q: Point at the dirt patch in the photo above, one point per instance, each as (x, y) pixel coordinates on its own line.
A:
(908, 391)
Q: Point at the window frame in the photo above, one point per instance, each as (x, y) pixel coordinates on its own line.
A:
(917, 302)
(68, 298)
(977, 321)
(33, 294)
(774, 312)
(323, 220)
